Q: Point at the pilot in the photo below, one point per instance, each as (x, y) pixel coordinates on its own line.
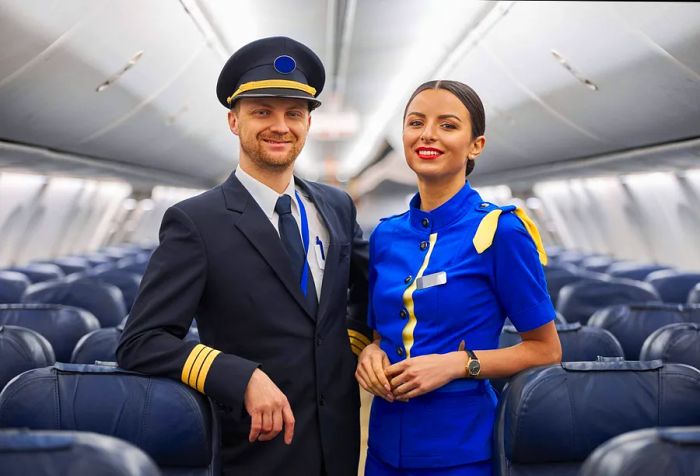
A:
(270, 265)
(443, 278)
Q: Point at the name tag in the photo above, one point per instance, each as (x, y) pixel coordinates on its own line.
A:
(435, 279)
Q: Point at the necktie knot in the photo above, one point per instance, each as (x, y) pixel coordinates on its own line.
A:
(284, 205)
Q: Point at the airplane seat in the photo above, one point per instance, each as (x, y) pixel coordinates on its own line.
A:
(572, 257)
(174, 424)
(96, 259)
(550, 418)
(598, 263)
(556, 280)
(668, 451)
(101, 345)
(127, 282)
(104, 301)
(673, 286)
(578, 344)
(39, 272)
(22, 349)
(678, 343)
(632, 324)
(694, 295)
(12, 286)
(635, 271)
(579, 300)
(62, 326)
(50, 453)
(71, 264)
(133, 264)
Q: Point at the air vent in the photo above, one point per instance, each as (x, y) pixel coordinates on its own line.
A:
(112, 79)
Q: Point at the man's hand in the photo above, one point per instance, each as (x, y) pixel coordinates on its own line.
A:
(370, 372)
(268, 408)
(419, 375)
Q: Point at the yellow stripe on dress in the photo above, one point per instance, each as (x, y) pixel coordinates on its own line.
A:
(407, 333)
(534, 233)
(272, 83)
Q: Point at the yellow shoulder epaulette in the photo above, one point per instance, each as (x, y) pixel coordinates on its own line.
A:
(488, 225)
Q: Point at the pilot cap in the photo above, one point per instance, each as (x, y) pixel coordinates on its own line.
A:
(272, 67)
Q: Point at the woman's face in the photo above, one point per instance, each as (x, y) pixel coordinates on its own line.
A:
(437, 138)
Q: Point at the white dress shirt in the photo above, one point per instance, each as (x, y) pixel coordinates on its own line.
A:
(266, 198)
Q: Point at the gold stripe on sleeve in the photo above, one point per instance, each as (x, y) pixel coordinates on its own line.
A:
(197, 366)
(407, 333)
(202, 378)
(355, 350)
(359, 336)
(357, 343)
(187, 368)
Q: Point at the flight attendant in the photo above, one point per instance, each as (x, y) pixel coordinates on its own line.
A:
(443, 278)
(271, 266)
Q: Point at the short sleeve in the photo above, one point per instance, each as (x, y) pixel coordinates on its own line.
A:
(518, 276)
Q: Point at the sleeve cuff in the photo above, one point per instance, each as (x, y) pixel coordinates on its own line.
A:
(534, 317)
(358, 341)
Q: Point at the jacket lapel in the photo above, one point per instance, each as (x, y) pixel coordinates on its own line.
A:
(256, 227)
(329, 217)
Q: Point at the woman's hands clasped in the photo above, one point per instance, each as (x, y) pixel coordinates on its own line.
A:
(409, 378)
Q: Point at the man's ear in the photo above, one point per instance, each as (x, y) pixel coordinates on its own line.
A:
(233, 121)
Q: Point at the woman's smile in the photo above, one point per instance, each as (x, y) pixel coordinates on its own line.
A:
(428, 153)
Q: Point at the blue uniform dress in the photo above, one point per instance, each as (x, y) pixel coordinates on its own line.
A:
(492, 260)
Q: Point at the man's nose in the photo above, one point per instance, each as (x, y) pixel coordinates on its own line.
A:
(279, 124)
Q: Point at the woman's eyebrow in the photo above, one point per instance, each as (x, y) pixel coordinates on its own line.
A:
(449, 116)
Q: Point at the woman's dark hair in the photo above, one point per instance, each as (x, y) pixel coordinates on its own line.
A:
(468, 97)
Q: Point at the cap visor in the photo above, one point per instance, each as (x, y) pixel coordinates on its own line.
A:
(279, 93)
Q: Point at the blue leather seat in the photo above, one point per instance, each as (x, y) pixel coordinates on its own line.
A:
(22, 349)
(632, 324)
(72, 264)
(673, 286)
(678, 343)
(597, 264)
(12, 286)
(549, 419)
(668, 451)
(133, 264)
(57, 453)
(101, 345)
(578, 343)
(127, 282)
(39, 272)
(104, 301)
(636, 271)
(171, 422)
(694, 295)
(578, 301)
(62, 326)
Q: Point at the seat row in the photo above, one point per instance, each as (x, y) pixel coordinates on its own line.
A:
(552, 420)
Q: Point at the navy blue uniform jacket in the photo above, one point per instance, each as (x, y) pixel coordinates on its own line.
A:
(221, 260)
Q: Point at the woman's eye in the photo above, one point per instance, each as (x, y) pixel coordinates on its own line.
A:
(447, 125)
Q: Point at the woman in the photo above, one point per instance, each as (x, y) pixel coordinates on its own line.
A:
(443, 278)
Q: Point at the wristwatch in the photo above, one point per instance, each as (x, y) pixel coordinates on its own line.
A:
(473, 367)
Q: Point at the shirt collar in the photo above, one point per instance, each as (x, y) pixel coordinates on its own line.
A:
(456, 207)
(264, 196)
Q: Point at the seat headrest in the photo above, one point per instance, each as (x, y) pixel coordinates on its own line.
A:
(674, 343)
(104, 301)
(99, 345)
(128, 282)
(72, 264)
(578, 301)
(637, 271)
(12, 286)
(170, 421)
(632, 324)
(578, 343)
(561, 413)
(673, 451)
(39, 272)
(22, 349)
(694, 295)
(62, 326)
(673, 286)
(47, 453)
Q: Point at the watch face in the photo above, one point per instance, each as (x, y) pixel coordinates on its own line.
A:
(474, 367)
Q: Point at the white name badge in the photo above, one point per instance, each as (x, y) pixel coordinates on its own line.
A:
(435, 279)
(320, 255)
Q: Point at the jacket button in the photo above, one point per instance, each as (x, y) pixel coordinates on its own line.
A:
(423, 245)
(425, 222)
(321, 401)
(403, 314)
(318, 341)
(399, 350)
(408, 279)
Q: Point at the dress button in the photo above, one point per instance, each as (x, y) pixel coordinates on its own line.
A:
(423, 245)
(484, 205)
(408, 279)
(425, 222)
(403, 313)
(399, 350)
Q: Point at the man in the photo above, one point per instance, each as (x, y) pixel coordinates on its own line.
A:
(265, 262)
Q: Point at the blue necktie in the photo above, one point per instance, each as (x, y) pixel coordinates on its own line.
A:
(291, 238)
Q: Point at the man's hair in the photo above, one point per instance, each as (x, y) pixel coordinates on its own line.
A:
(468, 97)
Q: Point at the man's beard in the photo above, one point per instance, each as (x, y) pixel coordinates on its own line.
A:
(255, 149)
